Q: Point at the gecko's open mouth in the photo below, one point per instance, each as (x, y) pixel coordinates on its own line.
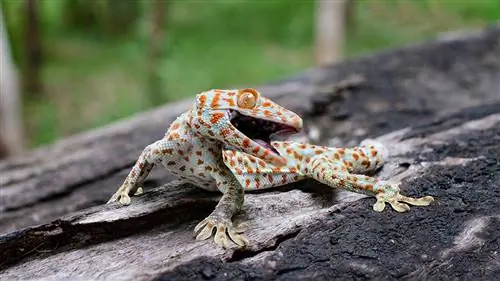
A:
(259, 130)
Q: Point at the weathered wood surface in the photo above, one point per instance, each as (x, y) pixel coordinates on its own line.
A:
(419, 100)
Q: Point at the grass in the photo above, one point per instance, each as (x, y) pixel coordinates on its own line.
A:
(91, 81)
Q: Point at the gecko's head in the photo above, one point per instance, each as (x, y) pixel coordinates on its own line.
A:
(245, 120)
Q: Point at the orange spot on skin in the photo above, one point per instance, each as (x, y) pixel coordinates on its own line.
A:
(265, 154)
(225, 132)
(297, 156)
(293, 170)
(308, 159)
(266, 104)
(261, 163)
(247, 182)
(203, 100)
(216, 117)
(318, 152)
(215, 101)
(200, 161)
(341, 151)
(267, 113)
(238, 171)
(230, 102)
(176, 126)
(366, 163)
(246, 143)
(303, 146)
(374, 153)
(199, 153)
(336, 156)
(369, 187)
(256, 149)
(355, 156)
(167, 151)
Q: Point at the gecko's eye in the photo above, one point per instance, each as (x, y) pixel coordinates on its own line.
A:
(247, 98)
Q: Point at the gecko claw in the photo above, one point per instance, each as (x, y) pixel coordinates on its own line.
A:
(225, 232)
(121, 195)
(395, 199)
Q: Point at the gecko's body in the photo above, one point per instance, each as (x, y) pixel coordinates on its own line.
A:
(223, 143)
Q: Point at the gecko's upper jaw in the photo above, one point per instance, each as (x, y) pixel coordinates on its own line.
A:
(259, 130)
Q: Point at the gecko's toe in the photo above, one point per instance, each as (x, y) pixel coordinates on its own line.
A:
(422, 201)
(139, 191)
(125, 199)
(121, 196)
(225, 235)
(396, 199)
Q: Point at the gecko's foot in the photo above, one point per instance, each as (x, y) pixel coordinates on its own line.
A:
(122, 195)
(395, 199)
(139, 191)
(225, 231)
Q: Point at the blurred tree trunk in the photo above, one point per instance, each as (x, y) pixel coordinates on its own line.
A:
(158, 10)
(330, 30)
(11, 129)
(121, 16)
(31, 75)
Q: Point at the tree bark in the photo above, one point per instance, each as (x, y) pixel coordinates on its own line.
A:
(11, 125)
(158, 11)
(32, 80)
(330, 30)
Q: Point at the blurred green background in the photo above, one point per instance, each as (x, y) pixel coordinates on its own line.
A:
(96, 56)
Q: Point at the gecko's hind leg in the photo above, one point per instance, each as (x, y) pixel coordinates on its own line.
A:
(336, 175)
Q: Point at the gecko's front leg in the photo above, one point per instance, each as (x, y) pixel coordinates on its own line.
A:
(221, 218)
(150, 156)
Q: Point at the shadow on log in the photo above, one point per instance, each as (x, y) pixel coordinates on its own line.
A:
(436, 105)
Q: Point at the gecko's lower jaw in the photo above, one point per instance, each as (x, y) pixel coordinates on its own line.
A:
(261, 131)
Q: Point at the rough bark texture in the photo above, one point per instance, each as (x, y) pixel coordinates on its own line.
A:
(436, 105)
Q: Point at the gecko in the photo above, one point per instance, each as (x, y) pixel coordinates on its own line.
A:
(235, 140)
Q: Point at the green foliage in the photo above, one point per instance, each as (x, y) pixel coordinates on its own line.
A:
(96, 61)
